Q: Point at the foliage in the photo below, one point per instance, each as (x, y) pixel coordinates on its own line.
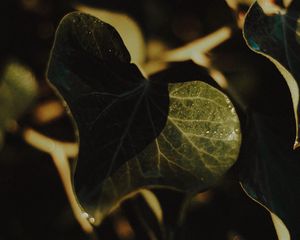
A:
(272, 175)
(180, 121)
(134, 132)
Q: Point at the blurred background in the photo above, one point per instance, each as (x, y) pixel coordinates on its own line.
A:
(32, 198)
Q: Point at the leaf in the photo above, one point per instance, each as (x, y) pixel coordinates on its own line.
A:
(271, 175)
(18, 88)
(128, 29)
(171, 130)
(264, 166)
(268, 167)
(273, 31)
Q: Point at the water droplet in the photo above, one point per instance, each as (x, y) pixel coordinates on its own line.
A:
(88, 217)
(236, 130)
(92, 220)
(109, 50)
(232, 110)
(207, 131)
(74, 21)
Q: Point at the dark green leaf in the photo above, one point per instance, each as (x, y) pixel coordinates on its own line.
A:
(273, 32)
(268, 166)
(272, 175)
(171, 130)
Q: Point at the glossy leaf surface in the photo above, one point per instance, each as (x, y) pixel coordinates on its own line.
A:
(172, 130)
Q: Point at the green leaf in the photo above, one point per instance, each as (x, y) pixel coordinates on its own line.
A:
(273, 31)
(271, 173)
(268, 167)
(128, 29)
(18, 88)
(172, 130)
(271, 176)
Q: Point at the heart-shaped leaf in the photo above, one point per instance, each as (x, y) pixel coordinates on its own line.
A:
(273, 31)
(171, 130)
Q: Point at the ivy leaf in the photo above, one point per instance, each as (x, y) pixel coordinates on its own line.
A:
(273, 31)
(271, 174)
(268, 167)
(272, 177)
(172, 130)
(128, 29)
(18, 89)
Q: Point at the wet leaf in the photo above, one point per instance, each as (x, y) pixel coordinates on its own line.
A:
(17, 91)
(172, 130)
(273, 31)
(128, 29)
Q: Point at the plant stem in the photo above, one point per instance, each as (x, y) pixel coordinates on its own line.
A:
(59, 152)
(199, 46)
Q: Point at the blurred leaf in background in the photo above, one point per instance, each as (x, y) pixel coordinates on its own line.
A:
(18, 89)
